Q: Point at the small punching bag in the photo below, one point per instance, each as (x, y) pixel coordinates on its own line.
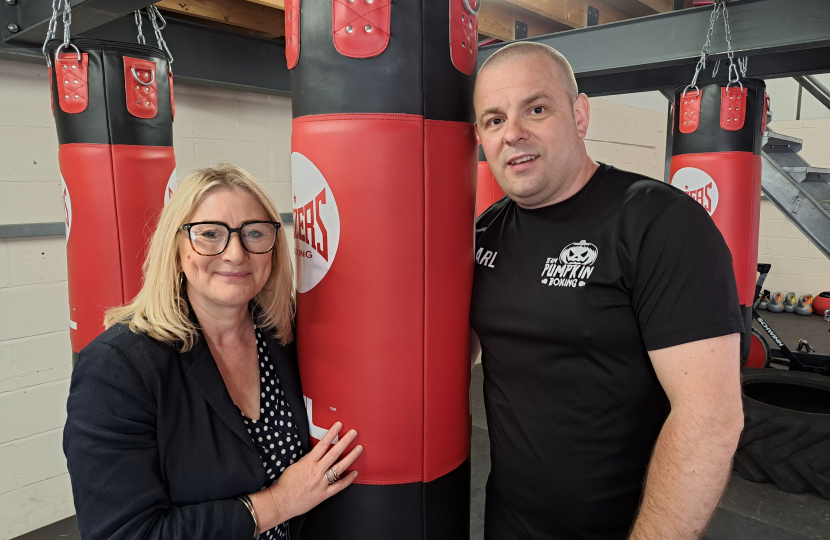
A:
(488, 190)
(113, 108)
(384, 172)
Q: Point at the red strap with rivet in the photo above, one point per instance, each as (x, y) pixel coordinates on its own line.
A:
(141, 86)
(672, 117)
(51, 96)
(732, 108)
(689, 110)
(464, 35)
(73, 89)
(361, 27)
(172, 102)
(292, 32)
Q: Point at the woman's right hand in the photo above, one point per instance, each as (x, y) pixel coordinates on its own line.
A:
(303, 485)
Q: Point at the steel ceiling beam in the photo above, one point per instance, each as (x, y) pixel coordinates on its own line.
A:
(782, 38)
(31, 17)
(204, 56)
(212, 57)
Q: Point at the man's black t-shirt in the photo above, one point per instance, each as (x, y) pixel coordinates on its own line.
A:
(567, 300)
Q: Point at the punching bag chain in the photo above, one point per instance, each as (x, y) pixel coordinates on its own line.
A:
(67, 22)
(733, 69)
(52, 29)
(155, 17)
(733, 74)
(139, 24)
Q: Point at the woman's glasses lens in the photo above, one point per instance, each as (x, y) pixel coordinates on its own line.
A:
(211, 238)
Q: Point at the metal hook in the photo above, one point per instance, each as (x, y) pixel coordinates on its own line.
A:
(690, 86)
(470, 9)
(62, 45)
(135, 76)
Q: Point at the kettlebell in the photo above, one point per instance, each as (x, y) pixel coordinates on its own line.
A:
(764, 302)
(789, 302)
(805, 305)
(821, 303)
(776, 303)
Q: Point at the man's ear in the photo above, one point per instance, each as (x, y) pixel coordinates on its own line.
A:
(582, 115)
(475, 127)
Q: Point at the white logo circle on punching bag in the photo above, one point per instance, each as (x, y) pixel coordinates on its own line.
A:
(67, 208)
(170, 187)
(698, 185)
(316, 223)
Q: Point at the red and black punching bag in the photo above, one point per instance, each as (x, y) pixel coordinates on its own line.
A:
(488, 190)
(383, 167)
(718, 129)
(113, 107)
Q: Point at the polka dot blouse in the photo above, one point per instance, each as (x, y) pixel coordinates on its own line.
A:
(275, 434)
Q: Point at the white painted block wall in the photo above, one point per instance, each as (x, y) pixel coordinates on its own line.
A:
(797, 265)
(627, 137)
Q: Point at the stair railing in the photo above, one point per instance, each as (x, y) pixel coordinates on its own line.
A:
(816, 89)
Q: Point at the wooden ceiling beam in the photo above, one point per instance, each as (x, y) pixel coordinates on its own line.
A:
(498, 19)
(572, 13)
(280, 4)
(660, 6)
(266, 19)
(640, 8)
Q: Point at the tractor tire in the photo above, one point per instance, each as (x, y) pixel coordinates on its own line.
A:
(786, 436)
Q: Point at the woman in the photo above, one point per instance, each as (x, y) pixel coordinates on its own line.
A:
(185, 417)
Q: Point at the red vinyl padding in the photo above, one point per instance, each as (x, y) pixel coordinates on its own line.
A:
(450, 191)
(383, 341)
(113, 196)
(141, 177)
(489, 190)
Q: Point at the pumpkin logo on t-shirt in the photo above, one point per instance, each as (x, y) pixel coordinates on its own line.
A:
(573, 267)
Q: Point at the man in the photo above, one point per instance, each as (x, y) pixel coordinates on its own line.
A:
(607, 311)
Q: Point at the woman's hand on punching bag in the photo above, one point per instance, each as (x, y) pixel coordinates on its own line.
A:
(303, 485)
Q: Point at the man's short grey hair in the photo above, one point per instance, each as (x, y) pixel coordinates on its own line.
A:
(528, 48)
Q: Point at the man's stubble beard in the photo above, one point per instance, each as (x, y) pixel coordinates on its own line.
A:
(551, 183)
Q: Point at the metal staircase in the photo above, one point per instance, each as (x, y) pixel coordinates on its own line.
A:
(800, 191)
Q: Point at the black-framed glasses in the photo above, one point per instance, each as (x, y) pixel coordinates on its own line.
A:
(210, 238)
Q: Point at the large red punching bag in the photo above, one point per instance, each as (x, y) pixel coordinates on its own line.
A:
(488, 190)
(384, 172)
(113, 107)
(716, 159)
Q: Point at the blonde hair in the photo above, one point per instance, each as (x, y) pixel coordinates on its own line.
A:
(160, 309)
(525, 48)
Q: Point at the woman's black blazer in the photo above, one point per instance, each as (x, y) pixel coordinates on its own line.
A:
(155, 446)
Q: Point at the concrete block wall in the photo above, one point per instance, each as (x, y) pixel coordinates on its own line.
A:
(627, 137)
(211, 125)
(797, 265)
(814, 132)
(35, 357)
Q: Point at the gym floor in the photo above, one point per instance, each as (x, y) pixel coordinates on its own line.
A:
(791, 327)
(748, 511)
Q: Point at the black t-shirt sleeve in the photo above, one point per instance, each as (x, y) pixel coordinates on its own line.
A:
(684, 287)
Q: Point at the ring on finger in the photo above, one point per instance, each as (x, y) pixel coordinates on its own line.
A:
(331, 476)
